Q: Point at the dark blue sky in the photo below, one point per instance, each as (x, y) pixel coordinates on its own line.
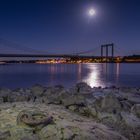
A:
(62, 26)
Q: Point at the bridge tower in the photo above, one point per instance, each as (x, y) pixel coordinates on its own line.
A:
(106, 47)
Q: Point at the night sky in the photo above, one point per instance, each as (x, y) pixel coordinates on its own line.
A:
(63, 26)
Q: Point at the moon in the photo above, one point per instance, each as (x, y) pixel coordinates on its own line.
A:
(91, 12)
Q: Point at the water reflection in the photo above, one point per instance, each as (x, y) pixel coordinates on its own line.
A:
(93, 76)
(117, 71)
(26, 75)
(79, 72)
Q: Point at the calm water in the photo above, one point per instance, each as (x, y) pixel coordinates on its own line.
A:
(26, 75)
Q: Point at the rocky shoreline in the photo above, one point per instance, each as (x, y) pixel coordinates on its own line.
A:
(78, 113)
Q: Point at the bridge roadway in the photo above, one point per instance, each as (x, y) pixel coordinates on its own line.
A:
(46, 55)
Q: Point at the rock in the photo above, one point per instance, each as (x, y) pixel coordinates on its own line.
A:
(103, 133)
(88, 111)
(66, 124)
(98, 95)
(136, 110)
(79, 131)
(4, 135)
(81, 88)
(1, 100)
(117, 109)
(19, 95)
(4, 93)
(134, 99)
(130, 120)
(37, 90)
(33, 137)
(126, 105)
(53, 90)
(73, 108)
(78, 100)
(55, 96)
(111, 104)
(50, 133)
(109, 119)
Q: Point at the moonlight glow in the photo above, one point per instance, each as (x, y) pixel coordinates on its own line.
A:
(91, 12)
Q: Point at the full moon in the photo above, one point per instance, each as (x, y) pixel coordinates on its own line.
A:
(91, 12)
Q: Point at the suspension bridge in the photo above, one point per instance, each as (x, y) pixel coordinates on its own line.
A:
(8, 49)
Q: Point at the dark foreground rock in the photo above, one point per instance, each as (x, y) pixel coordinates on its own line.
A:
(78, 113)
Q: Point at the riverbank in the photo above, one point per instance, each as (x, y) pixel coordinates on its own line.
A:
(77, 113)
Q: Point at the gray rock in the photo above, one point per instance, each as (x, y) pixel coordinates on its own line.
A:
(33, 137)
(108, 118)
(126, 105)
(82, 88)
(130, 120)
(136, 110)
(134, 99)
(111, 104)
(53, 90)
(5, 92)
(74, 100)
(1, 100)
(53, 96)
(4, 135)
(19, 95)
(99, 94)
(37, 90)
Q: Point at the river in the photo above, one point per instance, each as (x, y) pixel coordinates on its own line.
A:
(26, 75)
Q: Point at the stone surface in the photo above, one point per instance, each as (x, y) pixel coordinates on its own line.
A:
(110, 104)
(136, 110)
(37, 90)
(4, 135)
(67, 125)
(78, 113)
(131, 120)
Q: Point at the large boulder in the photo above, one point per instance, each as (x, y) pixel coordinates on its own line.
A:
(111, 104)
(130, 120)
(19, 95)
(4, 135)
(32, 137)
(4, 93)
(55, 95)
(1, 100)
(37, 90)
(81, 88)
(136, 110)
(67, 130)
(134, 99)
(53, 90)
(126, 105)
(78, 100)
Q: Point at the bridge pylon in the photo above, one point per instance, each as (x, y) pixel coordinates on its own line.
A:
(106, 47)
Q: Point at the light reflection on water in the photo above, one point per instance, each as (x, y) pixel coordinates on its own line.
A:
(93, 76)
(26, 75)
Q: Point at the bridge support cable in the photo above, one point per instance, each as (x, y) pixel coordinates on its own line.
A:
(20, 48)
